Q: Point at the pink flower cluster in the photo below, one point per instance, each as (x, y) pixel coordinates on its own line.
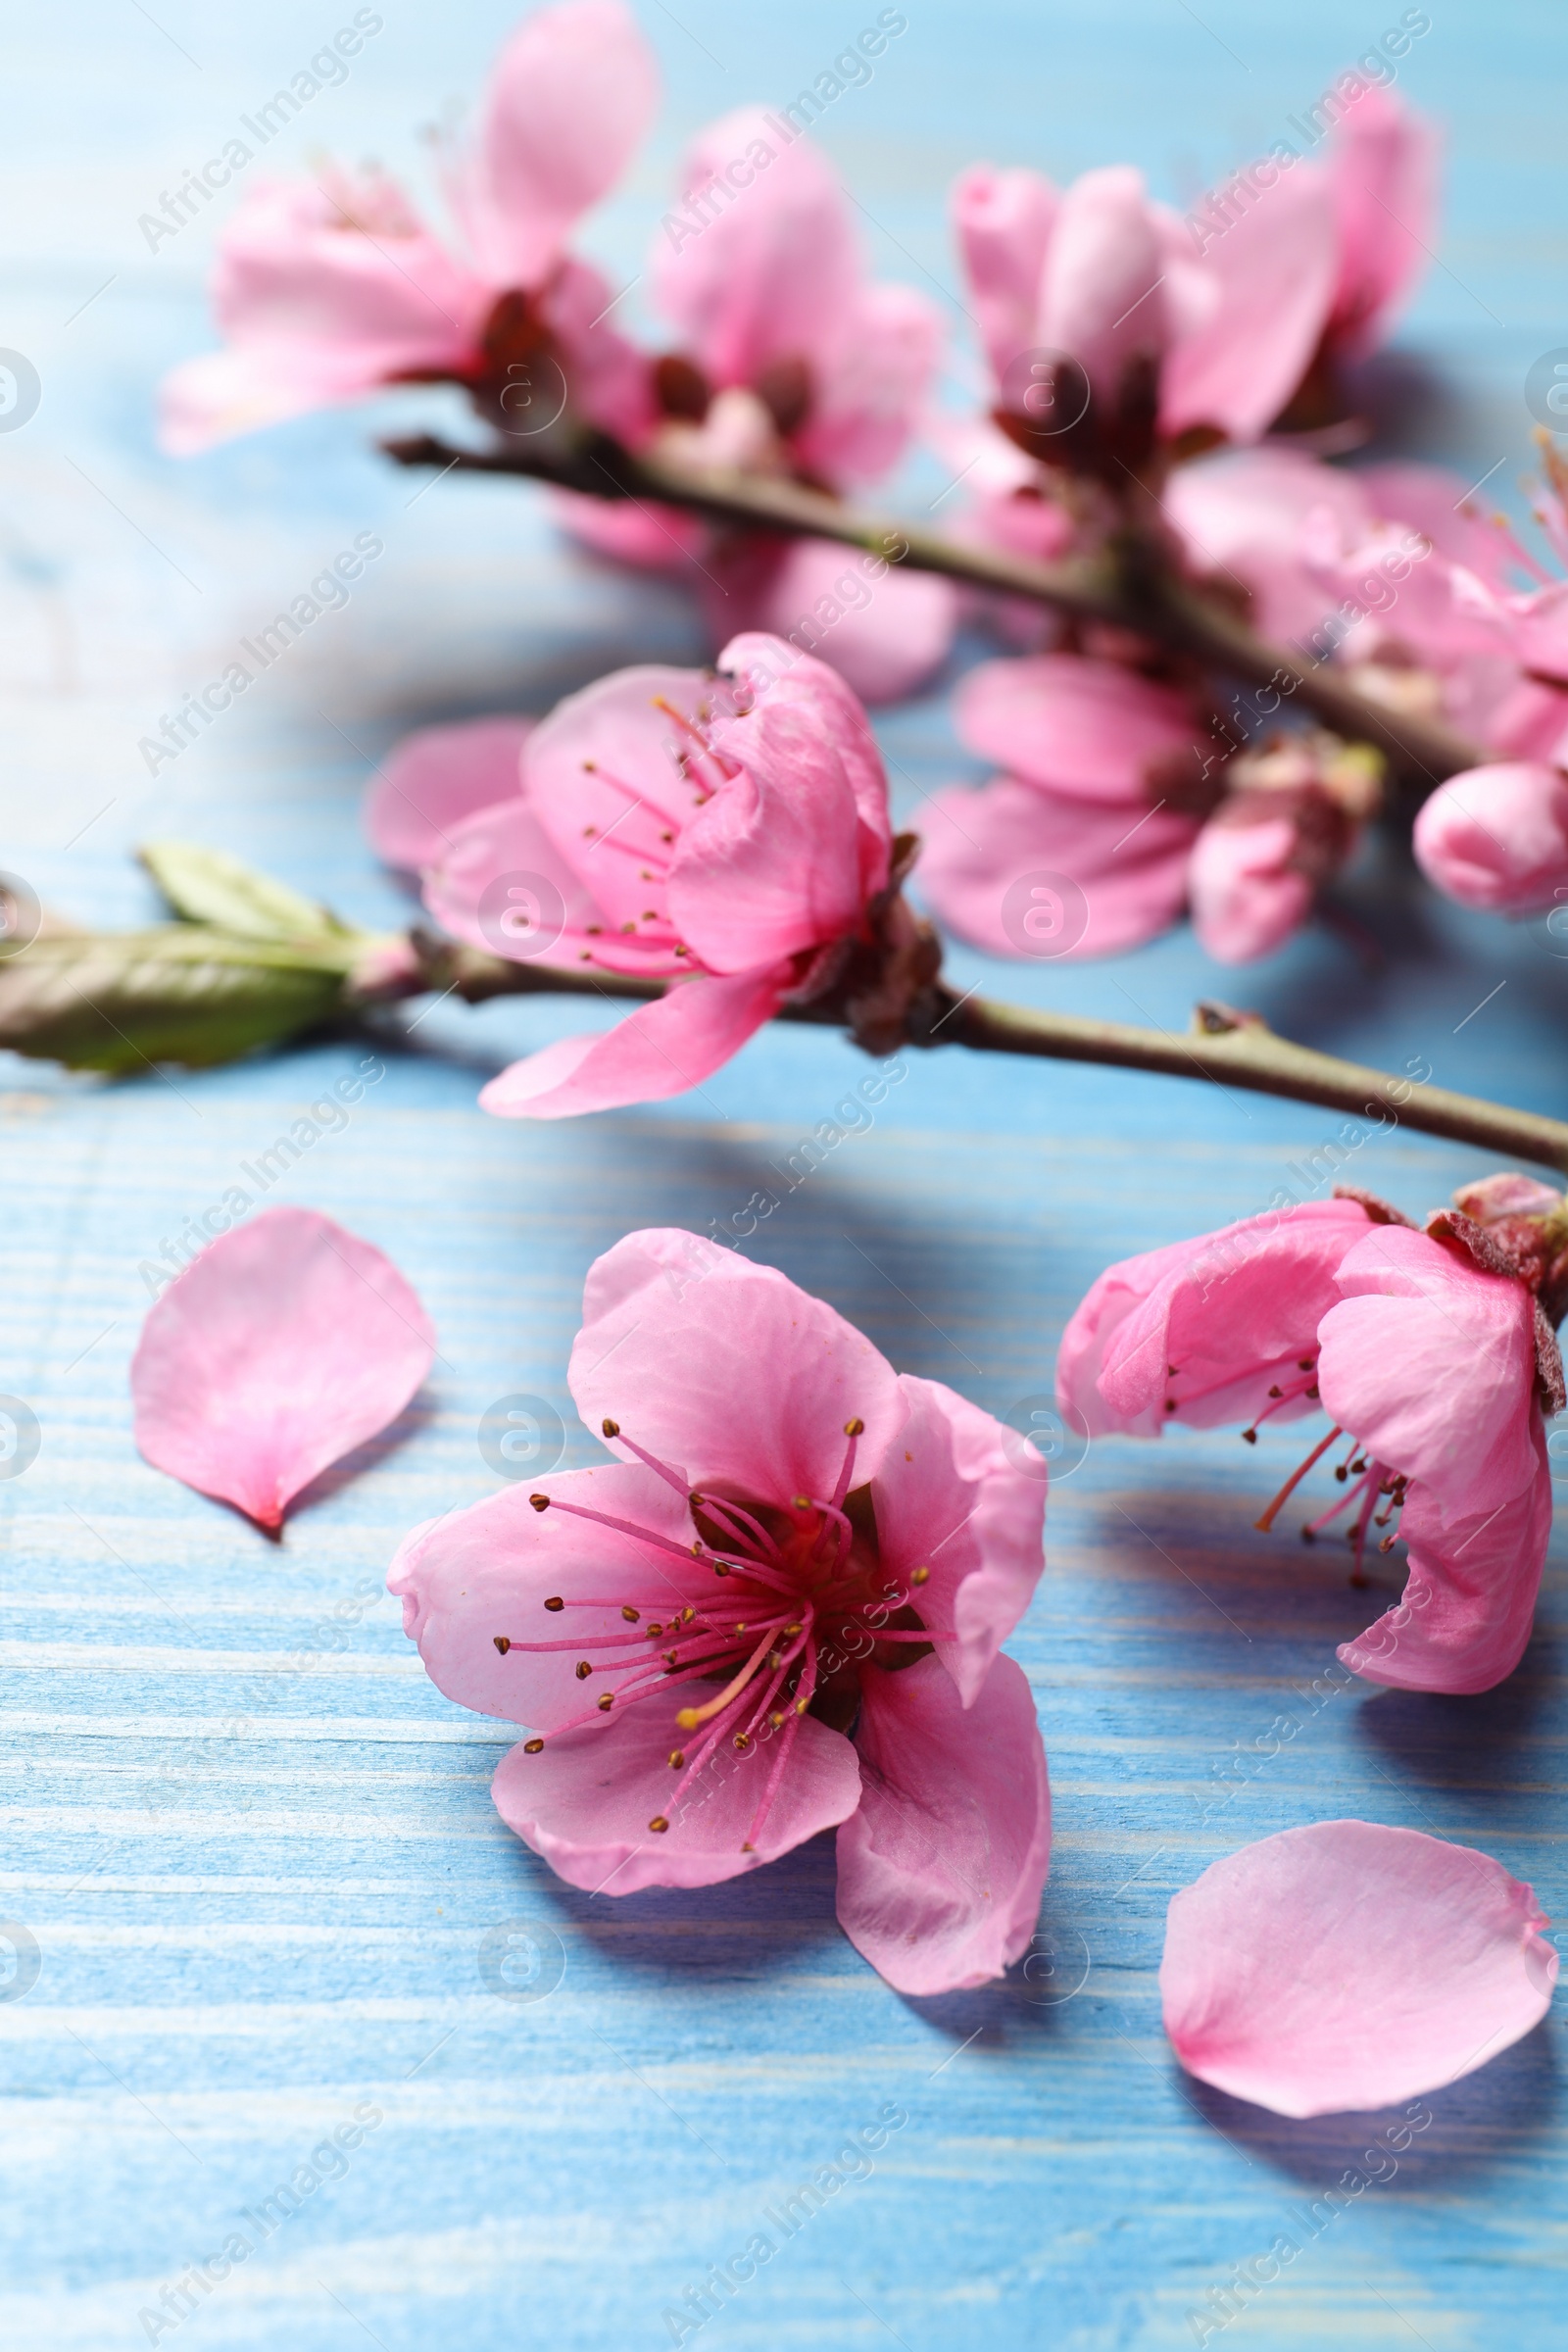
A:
(725, 832)
(1434, 1352)
(779, 1608)
(1124, 345)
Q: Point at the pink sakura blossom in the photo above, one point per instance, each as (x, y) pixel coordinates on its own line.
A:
(1290, 819)
(437, 777)
(287, 1343)
(1382, 175)
(330, 288)
(1435, 1357)
(779, 1611)
(1349, 1966)
(1393, 575)
(1121, 338)
(1107, 780)
(1498, 837)
(1116, 283)
(790, 362)
(1090, 750)
(726, 833)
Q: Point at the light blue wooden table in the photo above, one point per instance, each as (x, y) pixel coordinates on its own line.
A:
(255, 1847)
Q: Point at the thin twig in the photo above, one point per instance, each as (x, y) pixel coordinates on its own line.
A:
(1110, 589)
(1222, 1048)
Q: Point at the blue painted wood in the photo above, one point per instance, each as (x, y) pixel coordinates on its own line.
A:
(254, 1845)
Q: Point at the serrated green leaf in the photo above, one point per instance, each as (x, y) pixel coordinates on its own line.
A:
(208, 885)
(181, 993)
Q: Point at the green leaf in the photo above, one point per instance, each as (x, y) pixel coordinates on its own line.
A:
(208, 885)
(182, 992)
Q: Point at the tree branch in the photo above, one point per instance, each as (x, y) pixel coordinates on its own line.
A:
(1421, 752)
(1224, 1048)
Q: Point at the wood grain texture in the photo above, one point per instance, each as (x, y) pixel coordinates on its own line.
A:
(255, 1846)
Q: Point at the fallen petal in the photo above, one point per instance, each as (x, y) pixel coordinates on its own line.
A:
(287, 1343)
(1348, 1966)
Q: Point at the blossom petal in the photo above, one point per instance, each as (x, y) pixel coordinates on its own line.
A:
(472, 1576)
(1131, 872)
(1469, 1601)
(570, 96)
(729, 1369)
(1431, 1363)
(1496, 837)
(661, 1049)
(434, 779)
(1438, 502)
(1241, 515)
(962, 1497)
(1348, 1966)
(771, 276)
(869, 400)
(1003, 221)
(770, 864)
(1235, 1315)
(244, 387)
(1276, 263)
(764, 665)
(1100, 291)
(942, 1868)
(1247, 896)
(287, 1343)
(883, 638)
(586, 1800)
(495, 879)
(318, 310)
(1384, 175)
(1090, 729)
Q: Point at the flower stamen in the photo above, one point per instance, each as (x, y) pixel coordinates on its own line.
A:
(1264, 1524)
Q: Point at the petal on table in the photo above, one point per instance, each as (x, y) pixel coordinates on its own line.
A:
(287, 1343)
(1347, 1966)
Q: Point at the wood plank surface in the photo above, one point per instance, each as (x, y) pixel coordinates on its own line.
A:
(254, 1845)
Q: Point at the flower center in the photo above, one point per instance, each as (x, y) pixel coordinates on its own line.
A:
(1375, 1481)
(801, 1602)
(635, 847)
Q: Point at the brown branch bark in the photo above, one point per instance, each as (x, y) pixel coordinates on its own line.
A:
(1223, 1048)
(1420, 751)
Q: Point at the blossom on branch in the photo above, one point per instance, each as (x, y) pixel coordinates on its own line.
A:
(728, 833)
(790, 362)
(329, 289)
